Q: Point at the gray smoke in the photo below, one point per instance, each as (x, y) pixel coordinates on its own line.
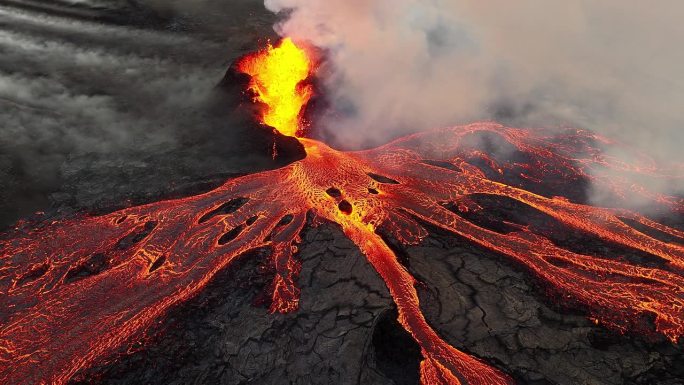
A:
(104, 81)
(398, 66)
(69, 86)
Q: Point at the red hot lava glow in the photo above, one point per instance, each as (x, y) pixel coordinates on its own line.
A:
(57, 321)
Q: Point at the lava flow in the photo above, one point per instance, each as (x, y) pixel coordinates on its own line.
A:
(73, 291)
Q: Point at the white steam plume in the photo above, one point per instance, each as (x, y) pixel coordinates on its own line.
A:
(396, 66)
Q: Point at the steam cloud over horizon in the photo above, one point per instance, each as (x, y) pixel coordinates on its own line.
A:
(398, 66)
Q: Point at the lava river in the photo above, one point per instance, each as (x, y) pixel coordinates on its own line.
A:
(143, 260)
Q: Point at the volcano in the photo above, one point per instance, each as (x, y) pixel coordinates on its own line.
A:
(78, 289)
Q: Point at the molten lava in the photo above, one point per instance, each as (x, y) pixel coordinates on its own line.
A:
(277, 75)
(76, 290)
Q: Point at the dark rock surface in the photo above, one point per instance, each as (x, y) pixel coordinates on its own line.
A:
(221, 337)
(481, 303)
(346, 333)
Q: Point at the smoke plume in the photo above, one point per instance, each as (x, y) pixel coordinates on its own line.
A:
(397, 66)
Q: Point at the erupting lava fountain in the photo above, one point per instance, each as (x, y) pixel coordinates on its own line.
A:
(141, 261)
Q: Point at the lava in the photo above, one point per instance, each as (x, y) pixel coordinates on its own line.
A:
(77, 290)
(277, 75)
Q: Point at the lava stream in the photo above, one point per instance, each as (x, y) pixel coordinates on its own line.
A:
(160, 254)
(76, 290)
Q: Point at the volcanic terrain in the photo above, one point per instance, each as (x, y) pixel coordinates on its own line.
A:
(468, 254)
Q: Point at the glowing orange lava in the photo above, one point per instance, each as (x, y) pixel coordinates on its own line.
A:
(155, 256)
(277, 75)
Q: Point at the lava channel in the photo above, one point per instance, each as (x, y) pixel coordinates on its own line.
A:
(144, 260)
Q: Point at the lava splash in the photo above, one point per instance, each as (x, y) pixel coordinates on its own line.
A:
(76, 290)
(277, 79)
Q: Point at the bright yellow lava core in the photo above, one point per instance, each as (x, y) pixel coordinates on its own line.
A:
(277, 74)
